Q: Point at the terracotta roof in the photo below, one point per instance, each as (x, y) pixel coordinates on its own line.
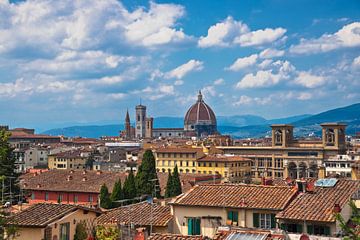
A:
(169, 236)
(178, 150)
(25, 135)
(319, 205)
(237, 196)
(60, 180)
(41, 214)
(68, 154)
(223, 158)
(139, 214)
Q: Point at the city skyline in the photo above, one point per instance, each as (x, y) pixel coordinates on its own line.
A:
(70, 61)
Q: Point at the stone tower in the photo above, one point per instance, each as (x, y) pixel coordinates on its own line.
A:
(149, 127)
(282, 135)
(127, 126)
(140, 121)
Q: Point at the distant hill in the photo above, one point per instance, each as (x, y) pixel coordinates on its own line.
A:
(240, 126)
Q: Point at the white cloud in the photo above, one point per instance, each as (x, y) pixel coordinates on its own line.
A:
(209, 90)
(246, 100)
(184, 69)
(242, 63)
(219, 81)
(347, 36)
(356, 62)
(221, 34)
(308, 80)
(304, 96)
(178, 82)
(230, 32)
(264, 64)
(260, 37)
(271, 53)
(264, 78)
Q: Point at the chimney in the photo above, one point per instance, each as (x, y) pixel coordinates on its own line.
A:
(84, 172)
(84, 179)
(337, 208)
(98, 172)
(25, 184)
(68, 178)
(71, 171)
(38, 185)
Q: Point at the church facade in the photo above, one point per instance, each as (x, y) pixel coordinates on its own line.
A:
(199, 121)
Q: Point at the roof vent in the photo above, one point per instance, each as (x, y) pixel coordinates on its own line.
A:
(71, 171)
(38, 186)
(84, 172)
(337, 208)
(98, 172)
(84, 179)
(68, 178)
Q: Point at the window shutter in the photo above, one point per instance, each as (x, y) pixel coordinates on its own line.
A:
(273, 221)
(236, 216)
(310, 229)
(197, 226)
(256, 220)
(230, 215)
(327, 231)
(283, 226)
(190, 226)
(299, 228)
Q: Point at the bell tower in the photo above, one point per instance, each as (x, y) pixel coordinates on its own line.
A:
(282, 135)
(333, 136)
(140, 121)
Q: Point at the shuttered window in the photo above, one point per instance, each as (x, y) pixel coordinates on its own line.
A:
(194, 227)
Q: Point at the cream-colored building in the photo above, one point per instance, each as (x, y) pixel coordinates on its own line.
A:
(290, 157)
(52, 221)
(184, 158)
(69, 160)
(204, 208)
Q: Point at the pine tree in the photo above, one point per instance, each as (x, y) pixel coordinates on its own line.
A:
(105, 201)
(146, 176)
(176, 184)
(348, 231)
(7, 168)
(129, 186)
(169, 186)
(116, 194)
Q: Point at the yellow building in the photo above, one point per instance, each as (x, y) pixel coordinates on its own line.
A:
(355, 170)
(232, 168)
(184, 158)
(69, 160)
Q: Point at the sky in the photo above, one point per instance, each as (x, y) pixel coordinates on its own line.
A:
(80, 61)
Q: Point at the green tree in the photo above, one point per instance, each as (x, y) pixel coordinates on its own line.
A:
(107, 233)
(105, 201)
(130, 186)
(146, 176)
(80, 231)
(169, 186)
(117, 194)
(176, 183)
(7, 169)
(350, 229)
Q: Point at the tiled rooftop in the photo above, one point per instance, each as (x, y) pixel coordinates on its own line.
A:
(41, 214)
(138, 214)
(169, 236)
(237, 196)
(319, 205)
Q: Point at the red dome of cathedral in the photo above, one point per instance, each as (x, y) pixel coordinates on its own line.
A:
(199, 114)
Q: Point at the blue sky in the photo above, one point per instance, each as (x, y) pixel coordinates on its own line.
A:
(65, 62)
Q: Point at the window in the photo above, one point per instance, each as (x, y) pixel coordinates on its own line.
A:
(291, 227)
(90, 199)
(46, 196)
(75, 198)
(65, 231)
(264, 220)
(194, 226)
(60, 198)
(32, 196)
(318, 230)
(216, 164)
(232, 218)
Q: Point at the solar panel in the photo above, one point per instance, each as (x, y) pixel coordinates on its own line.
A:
(326, 182)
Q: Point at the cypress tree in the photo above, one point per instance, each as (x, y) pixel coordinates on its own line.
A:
(7, 168)
(176, 184)
(116, 194)
(80, 231)
(169, 186)
(105, 201)
(129, 186)
(147, 174)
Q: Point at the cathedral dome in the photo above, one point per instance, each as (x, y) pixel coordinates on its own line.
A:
(200, 114)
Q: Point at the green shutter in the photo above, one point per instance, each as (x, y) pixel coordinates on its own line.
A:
(190, 226)
(236, 216)
(327, 231)
(256, 220)
(273, 221)
(299, 228)
(310, 229)
(197, 226)
(230, 215)
(283, 226)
